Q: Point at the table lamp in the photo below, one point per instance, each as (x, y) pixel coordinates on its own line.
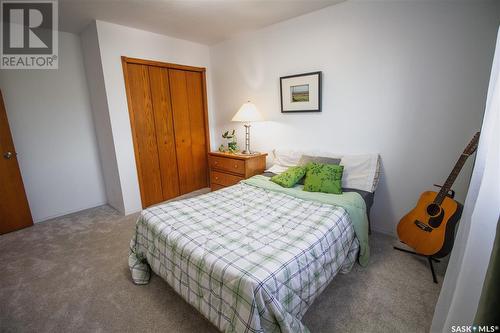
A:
(246, 114)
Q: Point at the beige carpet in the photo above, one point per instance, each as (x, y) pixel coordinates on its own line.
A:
(70, 275)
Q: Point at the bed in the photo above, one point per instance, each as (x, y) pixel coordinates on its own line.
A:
(254, 256)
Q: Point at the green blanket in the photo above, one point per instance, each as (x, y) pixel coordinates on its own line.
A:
(352, 202)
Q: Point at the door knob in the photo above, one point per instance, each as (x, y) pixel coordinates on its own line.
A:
(8, 155)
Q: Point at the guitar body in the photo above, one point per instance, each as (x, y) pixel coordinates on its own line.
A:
(429, 228)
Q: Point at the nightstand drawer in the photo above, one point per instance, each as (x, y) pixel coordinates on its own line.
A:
(224, 179)
(227, 164)
(215, 187)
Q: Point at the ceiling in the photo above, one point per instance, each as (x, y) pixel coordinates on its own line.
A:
(203, 21)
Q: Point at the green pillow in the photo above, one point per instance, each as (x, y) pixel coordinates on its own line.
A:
(326, 178)
(306, 159)
(290, 177)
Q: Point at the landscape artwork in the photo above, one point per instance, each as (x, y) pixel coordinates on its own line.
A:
(301, 92)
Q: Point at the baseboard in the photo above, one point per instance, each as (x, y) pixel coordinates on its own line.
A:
(43, 219)
(130, 212)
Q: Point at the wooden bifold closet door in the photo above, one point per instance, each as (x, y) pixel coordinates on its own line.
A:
(167, 106)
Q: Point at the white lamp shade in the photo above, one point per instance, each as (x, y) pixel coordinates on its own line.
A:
(247, 113)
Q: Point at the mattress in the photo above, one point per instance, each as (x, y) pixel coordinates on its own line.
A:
(248, 258)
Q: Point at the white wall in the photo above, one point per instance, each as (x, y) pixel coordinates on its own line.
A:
(102, 122)
(476, 234)
(51, 123)
(405, 79)
(115, 41)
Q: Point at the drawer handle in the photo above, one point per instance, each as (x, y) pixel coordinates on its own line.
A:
(236, 166)
(215, 162)
(216, 178)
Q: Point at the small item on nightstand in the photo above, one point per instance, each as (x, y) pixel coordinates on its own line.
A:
(232, 146)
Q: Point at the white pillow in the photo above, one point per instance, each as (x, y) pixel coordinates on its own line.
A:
(277, 169)
(360, 171)
(287, 158)
(283, 159)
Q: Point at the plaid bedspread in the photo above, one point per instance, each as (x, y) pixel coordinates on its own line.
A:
(249, 259)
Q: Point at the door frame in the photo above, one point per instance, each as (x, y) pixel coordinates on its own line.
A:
(202, 70)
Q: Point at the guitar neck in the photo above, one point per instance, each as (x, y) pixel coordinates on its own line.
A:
(451, 179)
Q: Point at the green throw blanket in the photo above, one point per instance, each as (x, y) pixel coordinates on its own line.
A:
(352, 202)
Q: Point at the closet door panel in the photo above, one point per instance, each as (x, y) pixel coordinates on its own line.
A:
(194, 85)
(182, 126)
(160, 93)
(144, 131)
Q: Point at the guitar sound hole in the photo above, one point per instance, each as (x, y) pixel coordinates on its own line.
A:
(433, 209)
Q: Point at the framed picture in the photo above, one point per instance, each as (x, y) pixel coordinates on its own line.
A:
(301, 92)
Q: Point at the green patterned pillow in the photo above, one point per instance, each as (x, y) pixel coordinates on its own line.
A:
(326, 178)
(290, 177)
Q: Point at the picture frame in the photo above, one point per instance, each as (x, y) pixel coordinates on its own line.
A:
(301, 92)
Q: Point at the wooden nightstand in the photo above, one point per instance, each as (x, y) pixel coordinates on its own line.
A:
(229, 169)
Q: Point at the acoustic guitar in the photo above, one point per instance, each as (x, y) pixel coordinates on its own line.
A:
(429, 228)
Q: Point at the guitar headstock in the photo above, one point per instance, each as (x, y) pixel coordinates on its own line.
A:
(472, 146)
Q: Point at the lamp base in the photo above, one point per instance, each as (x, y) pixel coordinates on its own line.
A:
(247, 152)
